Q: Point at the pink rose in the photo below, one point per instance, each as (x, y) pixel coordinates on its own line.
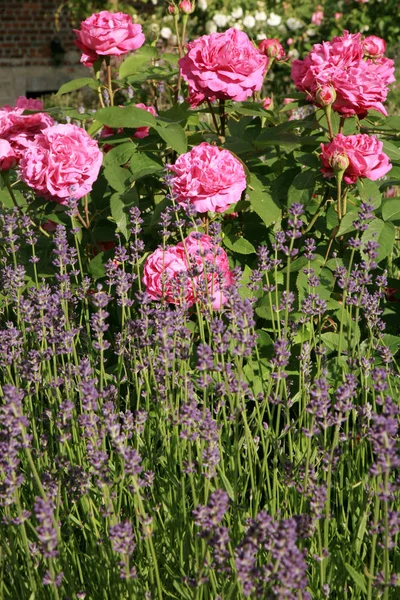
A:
(272, 48)
(20, 130)
(209, 178)
(364, 154)
(224, 65)
(195, 269)
(360, 85)
(317, 17)
(374, 47)
(62, 162)
(107, 34)
(8, 160)
(337, 16)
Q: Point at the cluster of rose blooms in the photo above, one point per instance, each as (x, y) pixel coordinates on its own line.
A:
(350, 75)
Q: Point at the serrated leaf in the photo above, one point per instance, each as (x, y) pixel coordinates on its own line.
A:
(356, 577)
(174, 136)
(391, 210)
(77, 84)
(117, 177)
(369, 192)
(239, 245)
(120, 154)
(391, 150)
(384, 234)
(117, 207)
(96, 267)
(137, 61)
(262, 202)
(125, 116)
(141, 165)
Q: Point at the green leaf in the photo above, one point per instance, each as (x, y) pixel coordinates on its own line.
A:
(119, 215)
(392, 341)
(125, 116)
(117, 177)
(369, 192)
(141, 165)
(302, 187)
(239, 245)
(358, 579)
(137, 61)
(120, 154)
(77, 84)
(262, 202)
(384, 234)
(391, 210)
(96, 267)
(391, 150)
(174, 135)
(346, 224)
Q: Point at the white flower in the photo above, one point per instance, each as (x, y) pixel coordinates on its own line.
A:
(260, 15)
(220, 20)
(311, 32)
(282, 29)
(202, 4)
(274, 20)
(364, 28)
(154, 2)
(249, 21)
(261, 36)
(211, 27)
(238, 26)
(237, 13)
(294, 53)
(166, 33)
(294, 23)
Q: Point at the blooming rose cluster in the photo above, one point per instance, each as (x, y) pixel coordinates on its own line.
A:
(141, 132)
(362, 156)
(20, 130)
(354, 67)
(62, 162)
(209, 178)
(224, 65)
(107, 34)
(193, 270)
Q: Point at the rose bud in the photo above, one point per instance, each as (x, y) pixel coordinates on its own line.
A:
(171, 9)
(186, 7)
(272, 48)
(325, 95)
(374, 47)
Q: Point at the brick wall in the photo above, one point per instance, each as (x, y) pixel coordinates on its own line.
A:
(35, 55)
(28, 30)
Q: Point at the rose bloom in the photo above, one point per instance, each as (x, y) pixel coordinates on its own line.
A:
(107, 34)
(8, 160)
(374, 46)
(224, 65)
(317, 17)
(272, 48)
(62, 162)
(20, 130)
(195, 269)
(365, 157)
(360, 84)
(208, 177)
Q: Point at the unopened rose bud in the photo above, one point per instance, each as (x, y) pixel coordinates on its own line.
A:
(186, 7)
(272, 48)
(339, 162)
(171, 9)
(267, 103)
(374, 47)
(326, 95)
